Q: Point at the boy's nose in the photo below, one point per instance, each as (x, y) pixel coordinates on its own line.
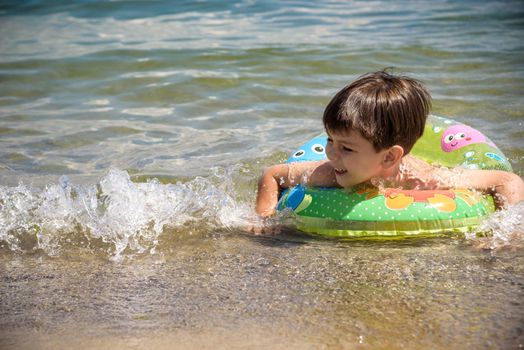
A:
(331, 152)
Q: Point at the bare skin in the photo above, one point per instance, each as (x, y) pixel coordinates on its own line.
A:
(352, 161)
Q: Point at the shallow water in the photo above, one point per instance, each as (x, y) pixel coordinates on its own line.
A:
(230, 290)
(131, 138)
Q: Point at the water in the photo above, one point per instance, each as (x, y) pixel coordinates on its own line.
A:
(132, 135)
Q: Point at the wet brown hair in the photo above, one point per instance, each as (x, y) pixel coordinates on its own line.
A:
(385, 109)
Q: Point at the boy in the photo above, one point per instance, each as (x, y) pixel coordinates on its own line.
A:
(372, 124)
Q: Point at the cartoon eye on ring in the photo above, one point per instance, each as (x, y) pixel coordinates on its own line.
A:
(449, 138)
(299, 153)
(318, 148)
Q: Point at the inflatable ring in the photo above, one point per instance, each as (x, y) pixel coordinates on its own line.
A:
(367, 213)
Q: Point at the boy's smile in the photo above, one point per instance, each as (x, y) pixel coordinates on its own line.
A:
(340, 172)
(353, 158)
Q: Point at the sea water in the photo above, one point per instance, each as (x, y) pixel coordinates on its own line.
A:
(132, 135)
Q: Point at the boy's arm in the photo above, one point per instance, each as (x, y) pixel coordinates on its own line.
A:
(506, 187)
(269, 186)
(282, 176)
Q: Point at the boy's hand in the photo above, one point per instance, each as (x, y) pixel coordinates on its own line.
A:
(264, 228)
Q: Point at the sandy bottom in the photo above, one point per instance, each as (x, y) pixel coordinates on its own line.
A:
(229, 291)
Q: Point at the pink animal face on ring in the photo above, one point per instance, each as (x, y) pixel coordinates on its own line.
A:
(458, 136)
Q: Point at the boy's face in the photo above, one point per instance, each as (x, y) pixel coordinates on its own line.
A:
(354, 158)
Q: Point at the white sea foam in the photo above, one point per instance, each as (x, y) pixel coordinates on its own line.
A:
(127, 217)
(503, 229)
(236, 111)
(99, 102)
(102, 109)
(149, 111)
(185, 72)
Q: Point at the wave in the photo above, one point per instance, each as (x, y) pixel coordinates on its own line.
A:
(121, 218)
(116, 214)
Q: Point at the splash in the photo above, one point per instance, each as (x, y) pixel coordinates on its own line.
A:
(504, 229)
(124, 216)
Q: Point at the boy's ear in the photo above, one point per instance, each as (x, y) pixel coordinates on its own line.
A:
(393, 156)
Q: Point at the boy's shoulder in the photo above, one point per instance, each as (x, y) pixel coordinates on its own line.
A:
(314, 173)
(416, 173)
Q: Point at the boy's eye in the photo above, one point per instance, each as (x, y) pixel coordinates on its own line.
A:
(347, 149)
(330, 140)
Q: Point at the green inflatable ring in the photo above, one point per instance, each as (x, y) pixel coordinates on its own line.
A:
(367, 213)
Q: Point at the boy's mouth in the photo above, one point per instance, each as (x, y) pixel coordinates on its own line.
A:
(340, 172)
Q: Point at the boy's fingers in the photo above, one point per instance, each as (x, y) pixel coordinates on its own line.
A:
(255, 229)
(259, 229)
